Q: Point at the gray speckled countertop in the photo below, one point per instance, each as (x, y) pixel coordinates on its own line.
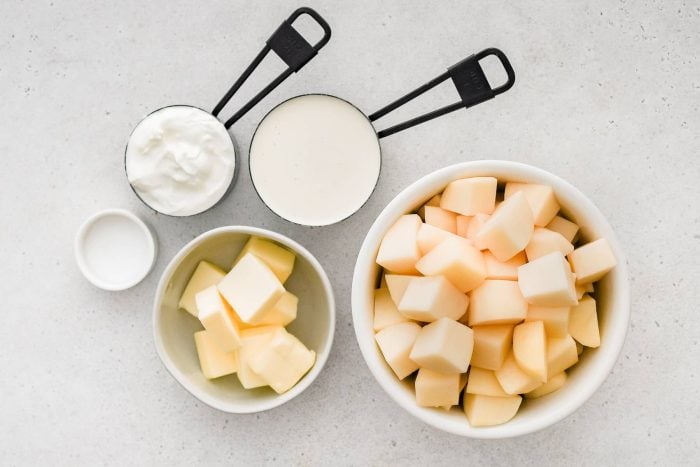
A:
(607, 96)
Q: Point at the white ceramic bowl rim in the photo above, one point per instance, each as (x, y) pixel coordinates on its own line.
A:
(321, 354)
(362, 322)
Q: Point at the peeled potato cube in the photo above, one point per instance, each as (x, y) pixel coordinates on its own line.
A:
(530, 349)
(545, 241)
(513, 379)
(441, 219)
(385, 311)
(399, 251)
(496, 302)
(283, 312)
(555, 319)
(505, 270)
(457, 260)
(491, 345)
(583, 322)
(218, 319)
(579, 348)
(253, 342)
(430, 236)
(435, 389)
(554, 383)
(547, 281)
(277, 258)
(431, 298)
(475, 225)
(444, 346)
(484, 382)
(507, 232)
(397, 284)
(565, 227)
(561, 354)
(541, 199)
(434, 201)
(470, 196)
(463, 225)
(213, 361)
(395, 343)
(204, 276)
(592, 261)
(283, 361)
(488, 410)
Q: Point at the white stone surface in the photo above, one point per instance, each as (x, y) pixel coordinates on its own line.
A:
(607, 96)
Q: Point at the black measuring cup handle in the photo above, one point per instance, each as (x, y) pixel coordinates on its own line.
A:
(291, 47)
(471, 83)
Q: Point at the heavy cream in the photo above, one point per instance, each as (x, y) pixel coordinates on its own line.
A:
(315, 159)
(180, 160)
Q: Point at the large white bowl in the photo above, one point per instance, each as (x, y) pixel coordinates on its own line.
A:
(612, 295)
(173, 329)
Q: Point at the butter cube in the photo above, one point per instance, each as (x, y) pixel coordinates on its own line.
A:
(470, 196)
(530, 349)
(283, 361)
(253, 342)
(496, 302)
(204, 276)
(508, 230)
(541, 199)
(277, 258)
(554, 383)
(399, 251)
(565, 227)
(475, 225)
(397, 284)
(283, 312)
(561, 354)
(251, 288)
(385, 311)
(435, 389)
(592, 261)
(441, 219)
(431, 298)
(218, 319)
(484, 382)
(214, 361)
(513, 379)
(395, 343)
(430, 236)
(444, 346)
(491, 345)
(488, 410)
(457, 260)
(555, 319)
(545, 241)
(547, 281)
(505, 270)
(583, 322)
(463, 225)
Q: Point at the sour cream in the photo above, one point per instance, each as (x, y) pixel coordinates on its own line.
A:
(180, 160)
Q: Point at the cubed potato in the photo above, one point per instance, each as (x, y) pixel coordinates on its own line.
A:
(277, 258)
(583, 322)
(463, 225)
(397, 284)
(592, 261)
(283, 361)
(580, 289)
(395, 343)
(443, 345)
(547, 281)
(491, 345)
(541, 199)
(513, 379)
(385, 311)
(496, 302)
(555, 319)
(565, 227)
(470, 196)
(545, 241)
(218, 319)
(205, 275)
(504, 270)
(457, 260)
(434, 201)
(561, 354)
(441, 218)
(530, 349)
(435, 389)
(430, 236)
(579, 348)
(475, 225)
(508, 230)
(253, 342)
(484, 382)
(488, 410)
(554, 383)
(283, 312)
(213, 361)
(398, 251)
(431, 298)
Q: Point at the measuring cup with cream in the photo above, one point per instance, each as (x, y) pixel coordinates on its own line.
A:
(180, 160)
(315, 159)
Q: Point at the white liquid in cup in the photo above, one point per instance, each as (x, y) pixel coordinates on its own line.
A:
(315, 159)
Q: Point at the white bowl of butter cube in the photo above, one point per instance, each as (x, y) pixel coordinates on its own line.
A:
(490, 299)
(244, 318)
